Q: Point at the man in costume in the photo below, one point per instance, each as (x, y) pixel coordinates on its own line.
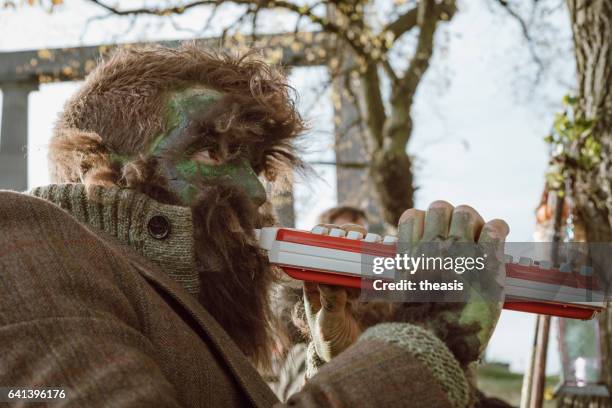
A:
(136, 279)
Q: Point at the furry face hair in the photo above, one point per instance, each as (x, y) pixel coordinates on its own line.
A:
(121, 108)
(234, 272)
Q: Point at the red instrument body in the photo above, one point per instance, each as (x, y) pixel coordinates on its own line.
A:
(532, 275)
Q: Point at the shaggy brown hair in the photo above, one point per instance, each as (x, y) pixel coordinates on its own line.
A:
(121, 108)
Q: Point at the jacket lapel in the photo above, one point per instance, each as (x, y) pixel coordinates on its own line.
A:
(245, 374)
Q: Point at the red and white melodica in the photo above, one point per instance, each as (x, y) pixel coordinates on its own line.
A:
(336, 258)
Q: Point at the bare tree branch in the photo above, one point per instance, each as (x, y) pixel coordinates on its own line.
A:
(376, 115)
(398, 126)
(428, 21)
(402, 24)
(254, 23)
(210, 18)
(407, 21)
(347, 165)
(372, 101)
(237, 22)
(178, 27)
(154, 11)
(360, 121)
(308, 12)
(526, 35)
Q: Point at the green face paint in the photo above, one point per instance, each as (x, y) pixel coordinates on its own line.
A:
(237, 173)
(185, 173)
(181, 107)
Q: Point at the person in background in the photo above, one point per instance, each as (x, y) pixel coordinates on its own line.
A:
(344, 214)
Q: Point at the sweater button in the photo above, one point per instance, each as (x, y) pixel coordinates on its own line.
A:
(159, 227)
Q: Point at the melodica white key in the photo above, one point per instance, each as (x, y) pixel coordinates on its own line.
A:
(337, 232)
(371, 237)
(389, 239)
(354, 235)
(338, 260)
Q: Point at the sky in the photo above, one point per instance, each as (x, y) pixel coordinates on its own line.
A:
(479, 125)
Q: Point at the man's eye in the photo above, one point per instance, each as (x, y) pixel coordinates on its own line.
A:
(207, 157)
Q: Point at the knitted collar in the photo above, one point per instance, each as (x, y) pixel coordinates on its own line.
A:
(161, 233)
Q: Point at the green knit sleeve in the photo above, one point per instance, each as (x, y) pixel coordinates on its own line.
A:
(390, 365)
(424, 346)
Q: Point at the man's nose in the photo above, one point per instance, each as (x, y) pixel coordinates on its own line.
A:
(259, 196)
(247, 179)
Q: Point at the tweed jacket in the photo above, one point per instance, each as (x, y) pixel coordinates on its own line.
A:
(94, 302)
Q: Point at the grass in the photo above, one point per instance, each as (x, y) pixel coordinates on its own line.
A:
(495, 380)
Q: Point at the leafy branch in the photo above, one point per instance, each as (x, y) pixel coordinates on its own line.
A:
(574, 147)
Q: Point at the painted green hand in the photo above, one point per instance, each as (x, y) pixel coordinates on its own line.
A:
(467, 325)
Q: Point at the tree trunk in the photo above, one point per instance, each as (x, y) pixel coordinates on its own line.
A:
(592, 31)
(391, 171)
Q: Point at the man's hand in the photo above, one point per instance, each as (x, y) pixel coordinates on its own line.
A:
(333, 327)
(475, 319)
(330, 309)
